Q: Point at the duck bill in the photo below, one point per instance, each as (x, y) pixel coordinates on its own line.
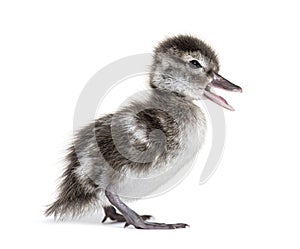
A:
(220, 82)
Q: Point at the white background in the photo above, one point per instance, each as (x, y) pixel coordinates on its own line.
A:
(50, 49)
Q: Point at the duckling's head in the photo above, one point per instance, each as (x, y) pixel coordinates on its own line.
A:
(188, 67)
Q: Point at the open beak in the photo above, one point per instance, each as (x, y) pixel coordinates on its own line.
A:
(220, 82)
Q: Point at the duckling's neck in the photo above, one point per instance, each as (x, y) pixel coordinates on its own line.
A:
(169, 97)
(174, 103)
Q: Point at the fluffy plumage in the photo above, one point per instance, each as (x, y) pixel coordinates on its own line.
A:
(143, 144)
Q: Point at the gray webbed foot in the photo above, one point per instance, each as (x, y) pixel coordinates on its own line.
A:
(132, 218)
(155, 225)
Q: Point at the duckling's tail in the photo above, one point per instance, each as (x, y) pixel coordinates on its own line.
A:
(76, 196)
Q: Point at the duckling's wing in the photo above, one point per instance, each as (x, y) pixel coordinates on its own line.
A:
(137, 140)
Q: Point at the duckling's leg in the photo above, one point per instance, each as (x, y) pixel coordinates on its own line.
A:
(132, 218)
(110, 212)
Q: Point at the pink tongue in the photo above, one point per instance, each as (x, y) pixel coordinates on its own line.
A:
(218, 100)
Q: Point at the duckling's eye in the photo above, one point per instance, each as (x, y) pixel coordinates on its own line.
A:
(195, 64)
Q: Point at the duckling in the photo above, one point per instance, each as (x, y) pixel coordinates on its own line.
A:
(139, 148)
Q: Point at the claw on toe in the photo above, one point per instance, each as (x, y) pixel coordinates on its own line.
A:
(181, 225)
